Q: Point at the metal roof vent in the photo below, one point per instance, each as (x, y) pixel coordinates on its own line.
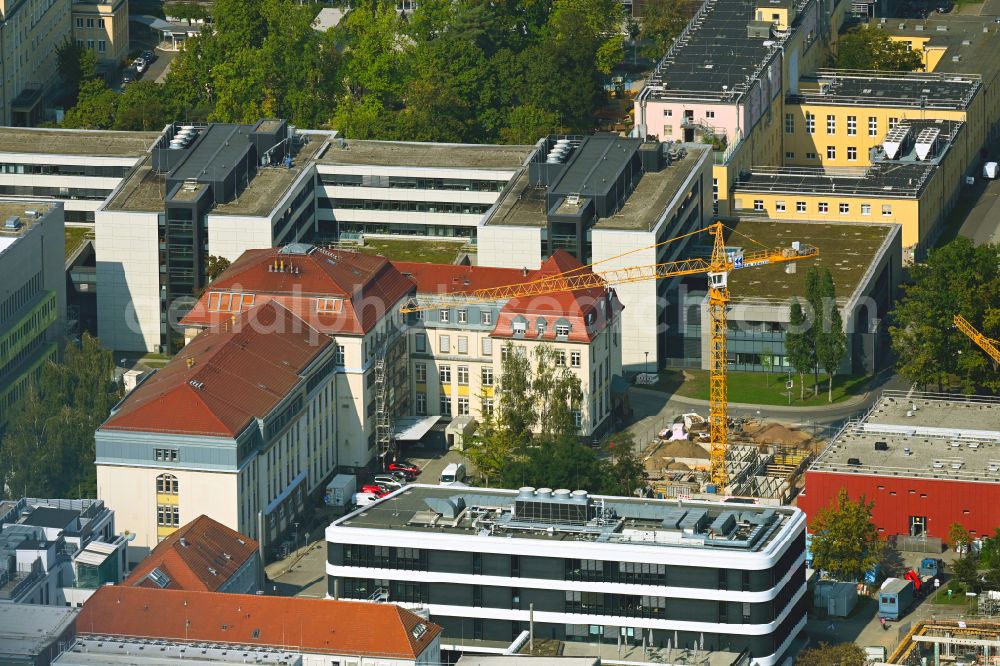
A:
(13, 223)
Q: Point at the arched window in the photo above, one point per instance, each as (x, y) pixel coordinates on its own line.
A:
(166, 484)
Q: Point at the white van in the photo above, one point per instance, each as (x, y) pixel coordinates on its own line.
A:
(363, 499)
(453, 473)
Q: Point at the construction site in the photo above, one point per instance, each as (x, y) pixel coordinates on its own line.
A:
(765, 460)
(937, 642)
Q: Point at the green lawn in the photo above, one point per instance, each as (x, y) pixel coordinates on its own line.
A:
(75, 237)
(760, 388)
(958, 597)
(154, 360)
(429, 251)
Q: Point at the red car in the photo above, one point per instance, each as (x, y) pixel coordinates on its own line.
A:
(406, 468)
(377, 491)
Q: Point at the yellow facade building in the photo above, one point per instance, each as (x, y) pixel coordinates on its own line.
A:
(32, 30)
(103, 28)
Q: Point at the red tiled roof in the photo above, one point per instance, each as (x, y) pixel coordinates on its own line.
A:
(574, 307)
(239, 372)
(308, 625)
(367, 285)
(207, 546)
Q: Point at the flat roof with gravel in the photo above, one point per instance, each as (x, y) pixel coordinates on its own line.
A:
(102, 143)
(414, 154)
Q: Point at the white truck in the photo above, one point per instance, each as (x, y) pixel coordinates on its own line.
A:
(340, 489)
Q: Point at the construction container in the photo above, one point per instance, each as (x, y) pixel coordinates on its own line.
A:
(340, 489)
(836, 597)
(894, 598)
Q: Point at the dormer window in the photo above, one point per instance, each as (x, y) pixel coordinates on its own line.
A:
(519, 327)
(562, 330)
(541, 327)
(329, 305)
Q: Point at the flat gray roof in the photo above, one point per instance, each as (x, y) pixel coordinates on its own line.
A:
(111, 650)
(415, 154)
(142, 190)
(17, 208)
(564, 517)
(103, 143)
(921, 435)
(522, 205)
(27, 629)
(970, 41)
(930, 90)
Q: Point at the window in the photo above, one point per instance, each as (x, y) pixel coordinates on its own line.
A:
(758, 204)
(340, 356)
(422, 404)
(800, 206)
(487, 406)
(519, 327)
(562, 330)
(789, 123)
(444, 375)
(574, 359)
(667, 113)
(168, 515)
(852, 125)
(872, 126)
(866, 209)
(810, 123)
(463, 344)
(831, 124)
(329, 304)
(463, 375)
(824, 208)
(166, 455)
(487, 346)
(886, 210)
(444, 344)
(445, 405)
(420, 342)
(420, 370)
(852, 153)
(845, 208)
(79, 23)
(90, 23)
(577, 418)
(485, 317)
(90, 44)
(710, 114)
(100, 23)
(831, 152)
(487, 376)
(463, 316)
(789, 155)
(560, 357)
(444, 316)
(810, 156)
(893, 122)
(463, 406)
(166, 484)
(102, 46)
(540, 326)
(779, 206)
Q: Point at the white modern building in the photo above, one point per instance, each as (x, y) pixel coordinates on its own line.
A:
(673, 576)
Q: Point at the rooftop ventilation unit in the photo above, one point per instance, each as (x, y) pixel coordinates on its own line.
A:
(545, 506)
(13, 223)
(895, 140)
(926, 142)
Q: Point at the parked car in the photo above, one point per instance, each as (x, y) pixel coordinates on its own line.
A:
(409, 469)
(387, 482)
(945, 7)
(402, 477)
(149, 57)
(376, 490)
(128, 76)
(139, 64)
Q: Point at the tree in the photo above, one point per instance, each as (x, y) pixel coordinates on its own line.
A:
(866, 47)
(798, 346)
(816, 300)
(660, 25)
(958, 278)
(527, 123)
(214, 266)
(989, 553)
(767, 362)
(966, 570)
(845, 540)
(76, 65)
(839, 654)
(141, 107)
(48, 447)
(95, 107)
(623, 470)
(831, 341)
(959, 538)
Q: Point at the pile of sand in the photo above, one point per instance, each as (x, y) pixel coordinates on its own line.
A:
(682, 449)
(775, 433)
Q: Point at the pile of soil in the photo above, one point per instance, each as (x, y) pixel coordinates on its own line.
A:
(682, 449)
(778, 434)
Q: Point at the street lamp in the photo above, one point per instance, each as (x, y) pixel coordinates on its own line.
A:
(647, 363)
(296, 535)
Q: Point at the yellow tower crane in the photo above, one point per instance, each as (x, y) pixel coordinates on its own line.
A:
(717, 268)
(988, 345)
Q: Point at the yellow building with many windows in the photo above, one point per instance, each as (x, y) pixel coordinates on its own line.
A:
(103, 28)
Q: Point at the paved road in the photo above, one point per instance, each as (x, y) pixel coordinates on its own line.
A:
(982, 224)
(654, 410)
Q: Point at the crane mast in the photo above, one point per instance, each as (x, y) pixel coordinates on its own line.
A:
(717, 268)
(988, 345)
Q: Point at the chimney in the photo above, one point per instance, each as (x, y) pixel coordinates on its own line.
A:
(190, 362)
